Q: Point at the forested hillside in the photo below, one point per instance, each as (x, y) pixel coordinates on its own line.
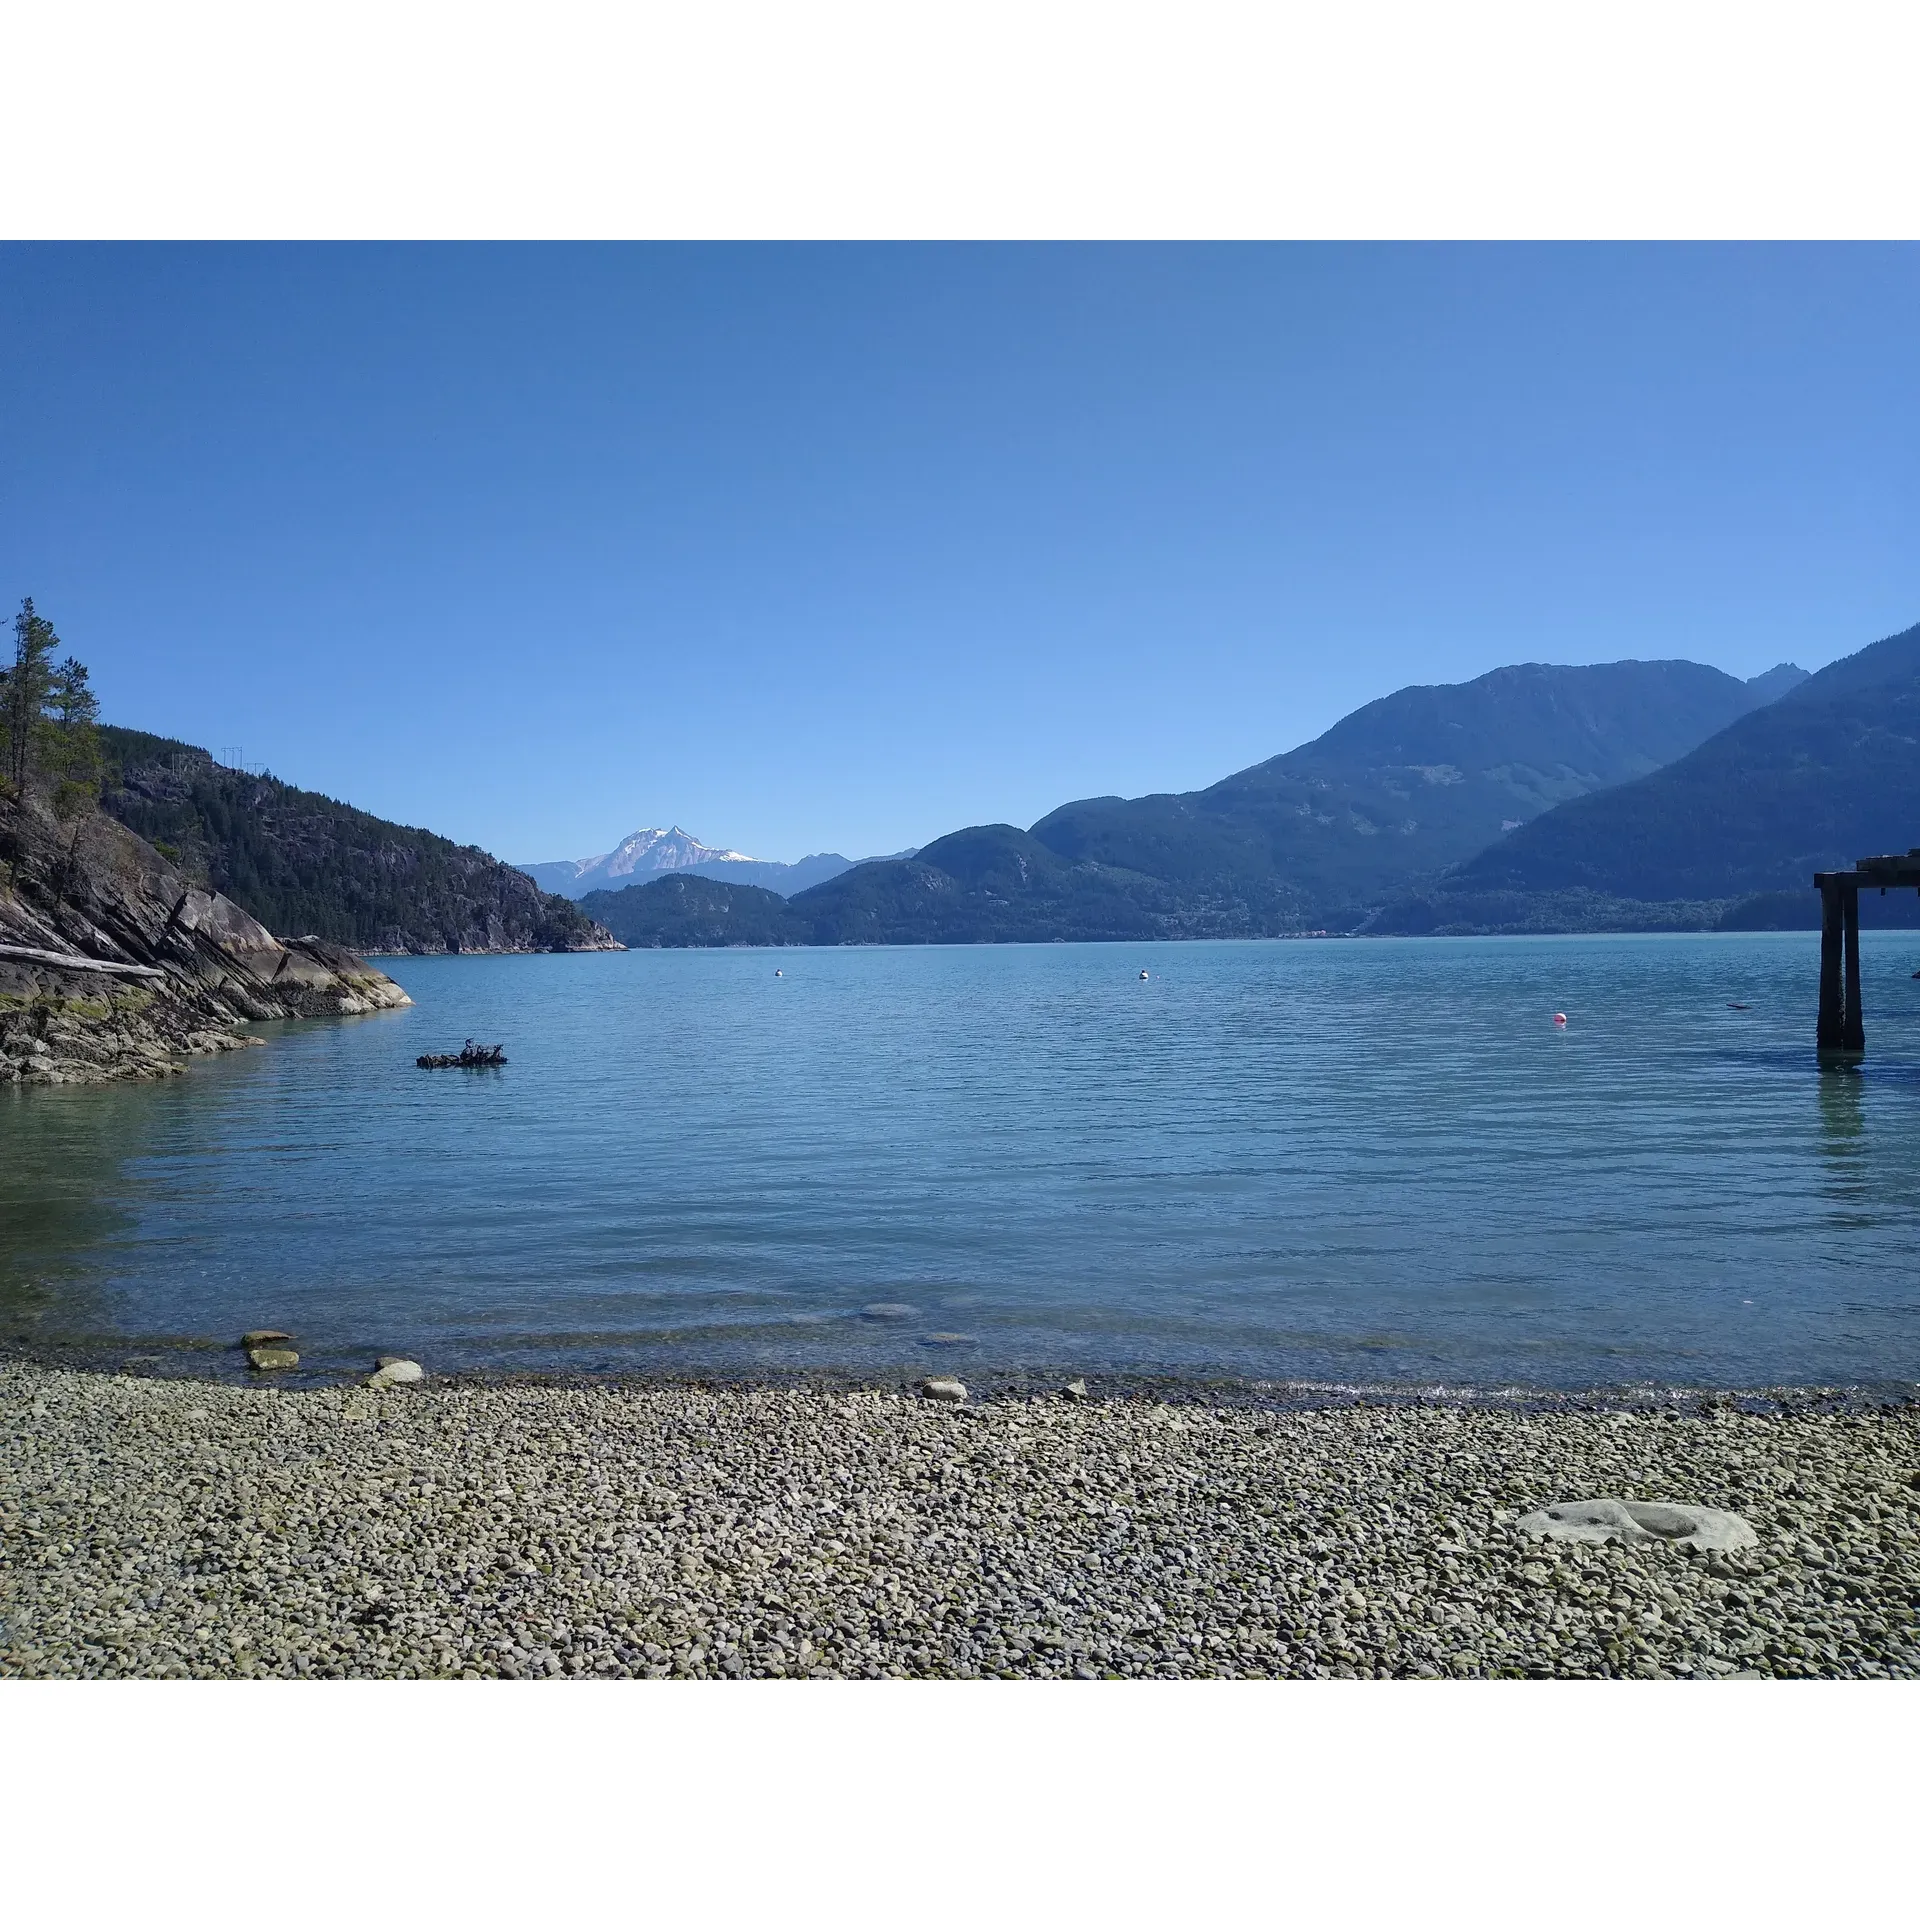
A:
(1730, 834)
(1408, 785)
(301, 863)
(688, 910)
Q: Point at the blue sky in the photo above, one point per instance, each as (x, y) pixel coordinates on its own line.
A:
(845, 547)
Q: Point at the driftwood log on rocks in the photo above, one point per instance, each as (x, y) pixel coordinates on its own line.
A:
(468, 1056)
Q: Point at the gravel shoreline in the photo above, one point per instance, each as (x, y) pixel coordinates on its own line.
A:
(166, 1527)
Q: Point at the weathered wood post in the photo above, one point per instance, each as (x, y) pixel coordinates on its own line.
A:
(1828, 1035)
(1843, 1026)
(1853, 1033)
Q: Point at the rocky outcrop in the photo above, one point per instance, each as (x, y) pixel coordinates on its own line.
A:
(113, 965)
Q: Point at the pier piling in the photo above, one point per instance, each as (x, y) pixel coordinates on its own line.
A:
(1832, 1021)
(1841, 1032)
(1853, 1033)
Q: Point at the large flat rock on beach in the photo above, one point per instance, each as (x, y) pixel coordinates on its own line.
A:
(173, 1528)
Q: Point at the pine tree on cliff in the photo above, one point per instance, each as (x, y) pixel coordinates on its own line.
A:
(48, 717)
(24, 691)
(76, 738)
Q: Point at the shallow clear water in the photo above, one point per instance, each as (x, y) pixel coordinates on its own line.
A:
(1334, 1161)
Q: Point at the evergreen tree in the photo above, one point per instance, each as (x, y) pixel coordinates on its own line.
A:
(49, 719)
(76, 738)
(25, 689)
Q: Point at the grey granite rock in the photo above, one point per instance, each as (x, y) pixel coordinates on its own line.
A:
(113, 966)
(1642, 1523)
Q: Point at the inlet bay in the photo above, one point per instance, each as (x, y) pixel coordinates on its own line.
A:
(1338, 1161)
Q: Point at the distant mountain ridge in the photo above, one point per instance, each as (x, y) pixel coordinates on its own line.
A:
(1729, 834)
(1398, 791)
(643, 853)
(983, 884)
(1411, 784)
(651, 851)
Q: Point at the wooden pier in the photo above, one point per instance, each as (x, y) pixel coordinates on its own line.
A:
(1842, 1031)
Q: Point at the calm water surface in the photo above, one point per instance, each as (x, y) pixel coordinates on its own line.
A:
(1339, 1161)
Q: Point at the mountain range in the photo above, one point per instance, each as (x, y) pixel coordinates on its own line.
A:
(651, 851)
(1727, 835)
(1390, 800)
(1534, 798)
(1409, 785)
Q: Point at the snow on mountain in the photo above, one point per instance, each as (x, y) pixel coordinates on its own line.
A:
(639, 856)
(656, 850)
(645, 855)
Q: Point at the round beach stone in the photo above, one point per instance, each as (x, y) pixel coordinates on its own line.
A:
(1642, 1523)
(943, 1389)
(272, 1359)
(263, 1337)
(397, 1373)
(889, 1310)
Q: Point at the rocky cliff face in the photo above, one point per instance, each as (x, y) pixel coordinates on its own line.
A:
(113, 964)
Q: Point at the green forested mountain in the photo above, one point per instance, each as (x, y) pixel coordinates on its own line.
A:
(1729, 834)
(1409, 785)
(982, 884)
(685, 910)
(987, 884)
(303, 864)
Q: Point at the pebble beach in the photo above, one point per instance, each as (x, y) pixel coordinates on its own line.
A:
(186, 1529)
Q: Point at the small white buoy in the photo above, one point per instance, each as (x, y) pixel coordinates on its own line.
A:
(1559, 1019)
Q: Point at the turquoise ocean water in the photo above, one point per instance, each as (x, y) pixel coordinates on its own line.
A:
(1341, 1161)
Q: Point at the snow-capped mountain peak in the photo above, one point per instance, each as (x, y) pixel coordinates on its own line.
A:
(652, 851)
(655, 850)
(639, 856)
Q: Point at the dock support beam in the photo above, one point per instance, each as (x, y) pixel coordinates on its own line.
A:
(1853, 1033)
(1830, 1035)
(1843, 1030)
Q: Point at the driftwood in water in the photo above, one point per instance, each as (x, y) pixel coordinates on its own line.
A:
(468, 1056)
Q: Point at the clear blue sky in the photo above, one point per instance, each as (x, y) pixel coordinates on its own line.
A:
(845, 547)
